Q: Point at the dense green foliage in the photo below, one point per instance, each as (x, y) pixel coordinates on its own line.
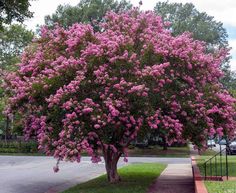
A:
(18, 147)
(135, 178)
(185, 17)
(13, 40)
(14, 10)
(87, 11)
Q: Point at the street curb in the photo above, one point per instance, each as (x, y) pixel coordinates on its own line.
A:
(199, 183)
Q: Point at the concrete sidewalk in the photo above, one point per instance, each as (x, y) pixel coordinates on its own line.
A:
(176, 178)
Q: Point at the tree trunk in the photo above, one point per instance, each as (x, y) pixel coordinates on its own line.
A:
(111, 159)
(7, 129)
(164, 143)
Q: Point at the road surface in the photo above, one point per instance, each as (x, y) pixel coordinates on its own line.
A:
(217, 148)
(34, 174)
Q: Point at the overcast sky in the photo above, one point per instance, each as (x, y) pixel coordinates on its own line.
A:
(224, 11)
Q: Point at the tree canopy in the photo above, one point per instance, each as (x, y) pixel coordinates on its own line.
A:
(87, 11)
(14, 10)
(78, 90)
(13, 40)
(185, 17)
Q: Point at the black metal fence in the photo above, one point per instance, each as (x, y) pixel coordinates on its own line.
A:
(217, 166)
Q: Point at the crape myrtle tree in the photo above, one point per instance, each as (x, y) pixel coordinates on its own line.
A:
(78, 90)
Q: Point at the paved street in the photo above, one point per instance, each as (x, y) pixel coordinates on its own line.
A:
(217, 148)
(26, 174)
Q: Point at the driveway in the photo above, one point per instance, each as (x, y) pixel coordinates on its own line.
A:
(31, 174)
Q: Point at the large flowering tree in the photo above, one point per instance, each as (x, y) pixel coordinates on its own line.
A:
(78, 90)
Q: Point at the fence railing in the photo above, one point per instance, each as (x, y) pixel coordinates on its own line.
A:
(217, 166)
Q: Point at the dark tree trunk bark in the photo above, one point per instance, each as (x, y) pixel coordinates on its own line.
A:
(7, 129)
(164, 143)
(111, 159)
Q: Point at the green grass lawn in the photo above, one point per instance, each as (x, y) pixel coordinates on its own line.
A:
(155, 151)
(135, 178)
(216, 168)
(221, 187)
(209, 152)
(23, 154)
(158, 151)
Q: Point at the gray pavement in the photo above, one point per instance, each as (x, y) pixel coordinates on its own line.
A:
(217, 148)
(176, 178)
(28, 174)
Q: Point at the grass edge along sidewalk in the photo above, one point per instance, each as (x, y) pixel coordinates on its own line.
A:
(135, 178)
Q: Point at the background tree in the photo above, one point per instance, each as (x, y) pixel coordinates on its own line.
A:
(87, 11)
(13, 40)
(185, 17)
(83, 91)
(14, 10)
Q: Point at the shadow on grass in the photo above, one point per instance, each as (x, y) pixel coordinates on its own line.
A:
(136, 178)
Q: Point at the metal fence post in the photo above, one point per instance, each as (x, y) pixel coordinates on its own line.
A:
(226, 159)
(205, 170)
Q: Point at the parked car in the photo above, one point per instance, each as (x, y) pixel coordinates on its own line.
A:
(141, 143)
(211, 143)
(222, 142)
(232, 148)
